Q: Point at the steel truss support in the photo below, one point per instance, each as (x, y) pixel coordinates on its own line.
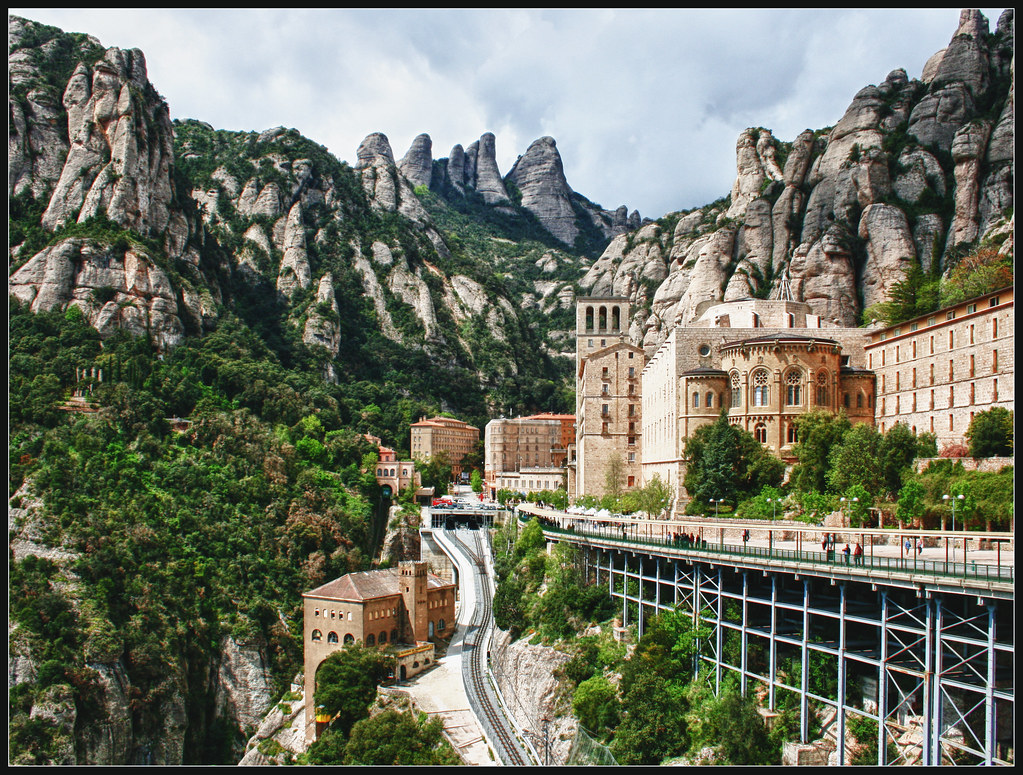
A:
(944, 682)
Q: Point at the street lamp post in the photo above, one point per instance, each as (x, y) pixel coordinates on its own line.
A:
(848, 500)
(716, 501)
(953, 498)
(774, 507)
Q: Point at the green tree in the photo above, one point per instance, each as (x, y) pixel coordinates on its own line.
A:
(614, 481)
(654, 497)
(476, 481)
(991, 433)
(896, 450)
(653, 726)
(819, 431)
(911, 505)
(856, 460)
(857, 505)
(595, 703)
(392, 738)
(725, 461)
(436, 472)
(729, 723)
(346, 684)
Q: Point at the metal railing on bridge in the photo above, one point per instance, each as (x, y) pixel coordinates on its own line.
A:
(872, 563)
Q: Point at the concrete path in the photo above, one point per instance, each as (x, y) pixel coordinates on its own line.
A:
(440, 690)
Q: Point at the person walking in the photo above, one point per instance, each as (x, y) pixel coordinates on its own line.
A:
(846, 553)
(858, 554)
(920, 545)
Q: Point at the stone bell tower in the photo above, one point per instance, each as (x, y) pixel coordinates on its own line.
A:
(413, 592)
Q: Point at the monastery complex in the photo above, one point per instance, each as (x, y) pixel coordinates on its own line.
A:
(764, 362)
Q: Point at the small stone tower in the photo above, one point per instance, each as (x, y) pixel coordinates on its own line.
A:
(413, 592)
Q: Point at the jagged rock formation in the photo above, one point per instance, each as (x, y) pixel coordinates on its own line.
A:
(114, 291)
(913, 172)
(540, 177)
(481, 171)
(103, 150)
(417, 164)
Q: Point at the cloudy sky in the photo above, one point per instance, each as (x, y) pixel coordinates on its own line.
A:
(645, 105)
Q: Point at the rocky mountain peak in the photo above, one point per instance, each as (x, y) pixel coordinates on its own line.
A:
(540, 177)
(484, 174)
(373, 148)
(417, 164)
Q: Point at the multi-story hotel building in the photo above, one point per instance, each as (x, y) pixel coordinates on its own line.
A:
(608, 418)
(765, 362)
(444, 434)
(935, 372)
(527, 454)
(404, 609)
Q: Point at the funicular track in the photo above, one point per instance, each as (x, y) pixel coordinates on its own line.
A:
(475, 650)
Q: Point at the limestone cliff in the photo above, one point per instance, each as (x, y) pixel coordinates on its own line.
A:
(913, 173)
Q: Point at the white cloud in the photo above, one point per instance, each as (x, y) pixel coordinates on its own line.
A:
(645, 105)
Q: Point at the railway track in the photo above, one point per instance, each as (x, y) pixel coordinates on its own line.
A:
(475, 649)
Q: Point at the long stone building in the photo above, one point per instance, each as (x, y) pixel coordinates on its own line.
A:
(935, 372)
(432, 436)
(527, 454)
(765, 363)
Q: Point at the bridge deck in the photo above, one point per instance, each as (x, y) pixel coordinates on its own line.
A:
(879, 564)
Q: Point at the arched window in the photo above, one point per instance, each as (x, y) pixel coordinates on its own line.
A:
(589, 318)
(760, 432)
(394, 636)
(793, 388)
(331, 637)
(710, 399)
(696, 400)
(317, 635)
(383, 637)
(761, 389)
(602, 322)
(793, 436)
(822, 389)
(859, 400)
(616, 319)
(440, 624)
(371, 640)
(736, 391)
(349, 638)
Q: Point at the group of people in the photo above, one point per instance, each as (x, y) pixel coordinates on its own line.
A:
(908, 546)
(686, 540)
(828, 546)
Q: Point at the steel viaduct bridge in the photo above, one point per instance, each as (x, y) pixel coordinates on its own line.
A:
(919, 642)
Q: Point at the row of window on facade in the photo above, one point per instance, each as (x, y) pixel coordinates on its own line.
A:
(931, 424)
(598, 320)
(913, 349)
(391, 472)
(951, 315)
(761, 393)
(897, 403)
(971, 371)
(371, 638)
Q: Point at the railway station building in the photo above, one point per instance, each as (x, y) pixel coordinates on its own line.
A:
(404, 609)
